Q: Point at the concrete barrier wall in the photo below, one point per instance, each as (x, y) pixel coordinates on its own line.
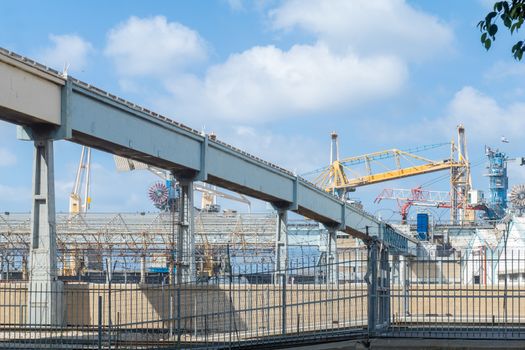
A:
(459, 303)
(243, 308)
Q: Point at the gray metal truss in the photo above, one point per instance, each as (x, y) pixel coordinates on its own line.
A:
(98, 119)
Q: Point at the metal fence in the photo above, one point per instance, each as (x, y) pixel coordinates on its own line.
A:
(468, 295)
(366, 293)
(245, 306)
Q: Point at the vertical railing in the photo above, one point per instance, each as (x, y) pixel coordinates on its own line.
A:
(243, 307)
(461, 296)
(371, 280)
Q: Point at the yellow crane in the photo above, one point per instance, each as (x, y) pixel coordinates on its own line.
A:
(79, 199)
(336, 178)
(79, 203)
(340, 177)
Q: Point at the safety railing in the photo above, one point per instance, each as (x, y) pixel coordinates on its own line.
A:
(362, 294)
(460, 296)
(243, 306)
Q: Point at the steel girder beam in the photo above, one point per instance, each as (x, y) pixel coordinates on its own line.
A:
(95, 118)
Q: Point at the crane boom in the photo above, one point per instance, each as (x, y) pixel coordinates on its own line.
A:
(335, 179)
(401, 173)
(381, 155)
(407, 198)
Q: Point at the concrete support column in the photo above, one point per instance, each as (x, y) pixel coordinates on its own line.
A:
(384, 288)
(404, 281)
(185, 263)
(2, 260)
(24, 268)
(332, 271)
(45, 291)
(109, 269)
(281, 247)
(143, 269)
(371, 280)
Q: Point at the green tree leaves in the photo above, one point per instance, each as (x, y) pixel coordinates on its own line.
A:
(511, 13)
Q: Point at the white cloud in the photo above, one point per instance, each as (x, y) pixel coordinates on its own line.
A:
(68, 49)
(236, 5)
(153, 46)
(7, 158)
(485, 119)
(360, 53)
(483, 116)
(267, 83)
(505, 69)
(367, 27)
(293, 152)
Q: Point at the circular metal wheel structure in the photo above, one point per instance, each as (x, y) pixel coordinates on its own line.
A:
(158, 193)
(517, 196)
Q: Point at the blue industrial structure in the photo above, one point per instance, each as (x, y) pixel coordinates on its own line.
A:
(422, 226)
(498, 183)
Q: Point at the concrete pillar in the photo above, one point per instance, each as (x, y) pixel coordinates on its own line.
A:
(371, 280)
(7, 268)
(332, 270)
(24, 268)
(45, 291)
(109, 269)
(2, 260)
(404, 281)
(185, 263)
(171, 267)
(384, 288)
(281, 247)
(143, 269)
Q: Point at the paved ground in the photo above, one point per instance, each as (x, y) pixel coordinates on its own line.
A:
(393, 343)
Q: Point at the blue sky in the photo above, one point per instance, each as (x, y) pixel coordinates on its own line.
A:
(274, 78)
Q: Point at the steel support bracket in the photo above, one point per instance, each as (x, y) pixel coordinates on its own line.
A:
(342, 224)
(202, 175)
(294, 205)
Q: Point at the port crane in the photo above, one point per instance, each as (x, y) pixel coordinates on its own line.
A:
(418, 196)
(79, 199)
(209, 193)
(162, 193)
(340, 176)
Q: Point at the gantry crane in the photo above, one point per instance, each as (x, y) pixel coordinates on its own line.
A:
(79, 203)
(79, 199)
(407, 198)
(335, 178)
(209, 193)
(460, 181)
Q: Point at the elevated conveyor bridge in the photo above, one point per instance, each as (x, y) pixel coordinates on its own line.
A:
(47, 104)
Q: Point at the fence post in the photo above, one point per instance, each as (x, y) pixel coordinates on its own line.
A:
(99, 322)
(179, 325)
(384, 298)
(371, 280)
(283, 303)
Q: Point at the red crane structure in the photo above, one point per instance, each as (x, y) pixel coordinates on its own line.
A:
(419, 197)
